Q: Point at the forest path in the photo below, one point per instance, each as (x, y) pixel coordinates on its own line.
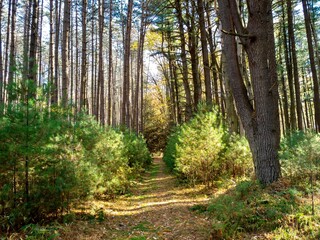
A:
(156, 208)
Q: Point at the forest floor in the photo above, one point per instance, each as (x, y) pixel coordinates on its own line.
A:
(157, 207)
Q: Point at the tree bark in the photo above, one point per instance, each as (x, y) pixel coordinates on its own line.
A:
(261, 122)
(185, 79)
(12, 54)
(193, 49)
(64, 54)
(205, 53)
(125, 120)
(51, 55)
(101, 69)
(288, 60)
(110, 67)
(83, 81)
(33, 68)
(55, 97)
(1, 62)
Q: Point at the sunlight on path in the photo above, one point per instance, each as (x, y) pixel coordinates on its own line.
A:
(156, 208)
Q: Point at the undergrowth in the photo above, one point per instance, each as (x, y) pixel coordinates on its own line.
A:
(287, 209)
(201, 150)
(52, 160)
(275, 212)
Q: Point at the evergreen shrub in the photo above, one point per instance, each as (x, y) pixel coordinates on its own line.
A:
(300, 155)
(51, 159)
(201, 150)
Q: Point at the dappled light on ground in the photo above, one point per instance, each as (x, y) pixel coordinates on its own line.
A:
(156, 208)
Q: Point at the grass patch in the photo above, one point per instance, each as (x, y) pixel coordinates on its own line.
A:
(144, 227)
(274, 211)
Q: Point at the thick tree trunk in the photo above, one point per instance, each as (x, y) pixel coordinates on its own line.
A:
(261, 122)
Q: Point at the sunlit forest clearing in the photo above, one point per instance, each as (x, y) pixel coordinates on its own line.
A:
(149, 119)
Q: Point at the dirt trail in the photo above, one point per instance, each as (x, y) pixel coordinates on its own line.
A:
(156, 208)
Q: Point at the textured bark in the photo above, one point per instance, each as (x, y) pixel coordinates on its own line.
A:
(83, 81)
(125, 120)
(110, 68)
(261, 122)
(64, 54)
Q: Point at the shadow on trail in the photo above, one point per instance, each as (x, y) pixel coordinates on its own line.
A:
(157, 208)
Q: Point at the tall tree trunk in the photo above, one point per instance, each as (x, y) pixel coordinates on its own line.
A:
(316, 99)
(77, 82)
(295, 65)
(55, 97)
(126, 68)
(185, 78)
(51, 54)
(83, 81)
(1, 63)
(205, 54)
(139, 79)
(286, 43)
(12, 54)
(284, 98)
(261, 122)
(33, 68)
(40, 50)
(214, 64)
(93, 67)
(110, 67)
(64, 53)
(26, 38)
(101, 70)
(6, 55)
